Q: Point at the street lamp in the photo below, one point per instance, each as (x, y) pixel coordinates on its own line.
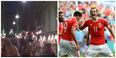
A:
(13, 22)
(13, 25)
(17, 17)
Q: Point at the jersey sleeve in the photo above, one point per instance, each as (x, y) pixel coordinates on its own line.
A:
(85, 24)
(60, 28)
(105, 22)
(74, 23)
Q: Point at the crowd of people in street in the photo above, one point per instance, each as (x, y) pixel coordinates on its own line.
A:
(27, 44)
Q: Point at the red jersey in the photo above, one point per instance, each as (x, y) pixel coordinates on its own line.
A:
(67, 25)
(96, 30)
(60, 31)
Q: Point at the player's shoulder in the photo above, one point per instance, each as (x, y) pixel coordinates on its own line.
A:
(102, 19)
(60, 24)
(88, 20)
(71, 19)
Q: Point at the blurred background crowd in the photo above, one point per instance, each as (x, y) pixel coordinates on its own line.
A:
(106, 10)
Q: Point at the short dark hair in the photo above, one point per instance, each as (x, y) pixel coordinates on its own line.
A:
(60, 12)
(77, 13)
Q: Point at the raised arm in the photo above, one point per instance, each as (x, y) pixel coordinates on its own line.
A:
(82, 24)
(109, 28)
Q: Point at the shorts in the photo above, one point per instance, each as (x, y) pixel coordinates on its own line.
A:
(67, 48)
(98, 50)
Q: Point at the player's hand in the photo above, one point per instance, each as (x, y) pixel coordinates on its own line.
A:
(78, 53)
(60, 34)
(77, 47)
(113, 40)
(81, 22)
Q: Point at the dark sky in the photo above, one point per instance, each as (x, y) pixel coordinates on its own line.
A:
(8, 10)
(27, 13)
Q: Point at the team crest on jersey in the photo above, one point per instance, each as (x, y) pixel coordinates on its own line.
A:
(90, 24)
(99, 25)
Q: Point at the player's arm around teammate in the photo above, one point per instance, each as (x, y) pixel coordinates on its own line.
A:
(109, 28)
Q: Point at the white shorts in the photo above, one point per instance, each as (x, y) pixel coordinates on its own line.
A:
(67, 48)
(94, 50)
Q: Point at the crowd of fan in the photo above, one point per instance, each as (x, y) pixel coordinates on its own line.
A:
(28, 44)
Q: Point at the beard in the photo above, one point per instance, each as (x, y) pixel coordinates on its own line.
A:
(93, 15)
(61, 19)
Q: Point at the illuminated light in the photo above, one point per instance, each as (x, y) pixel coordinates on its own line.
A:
(48, 37)
(52, 37)
(29, 43)
(35, 38)
(39, 32)
(44, 37)
(3, 36)
(24, 1)
(53, 40)
(33, 35)
(40, 38)
(20, 34)
(17, 36)
(11, 31)
(17, 16)
(27, 32)
(14, 23)
(56, 37)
